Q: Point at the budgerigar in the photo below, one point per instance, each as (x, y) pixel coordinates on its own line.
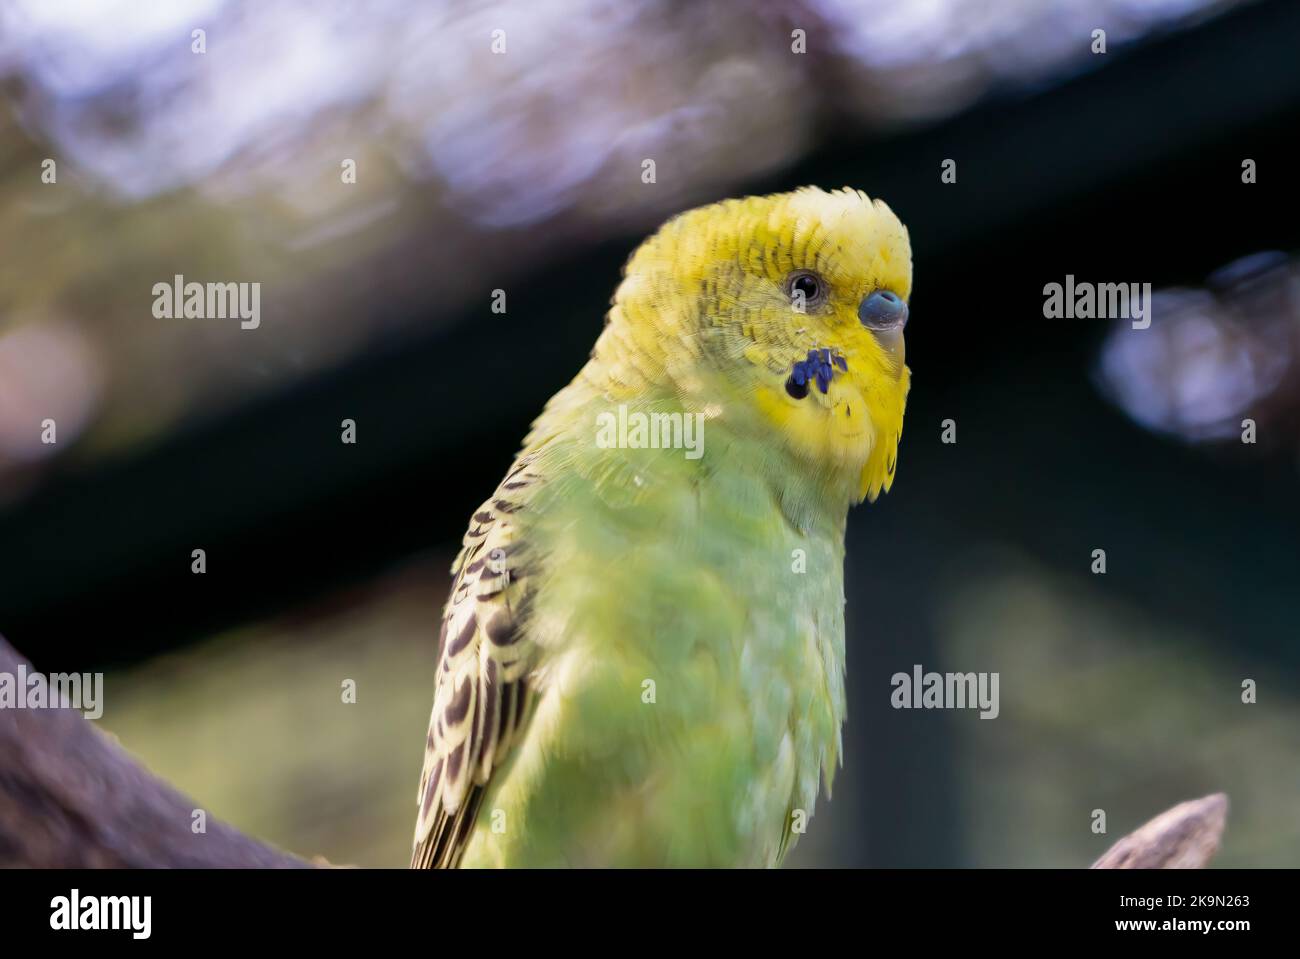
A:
(641, 661)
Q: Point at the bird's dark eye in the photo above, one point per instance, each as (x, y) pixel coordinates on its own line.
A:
(806, 288)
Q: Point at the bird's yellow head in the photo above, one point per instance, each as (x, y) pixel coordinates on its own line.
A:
(782, 313)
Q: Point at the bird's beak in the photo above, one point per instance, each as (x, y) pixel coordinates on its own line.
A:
(894, 344)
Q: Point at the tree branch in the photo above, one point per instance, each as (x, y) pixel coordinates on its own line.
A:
(72, 798)
(1185, 837)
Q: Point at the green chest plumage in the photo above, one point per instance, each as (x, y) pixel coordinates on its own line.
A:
(690, 669)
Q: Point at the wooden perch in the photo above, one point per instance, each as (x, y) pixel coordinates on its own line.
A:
(70, 797)
(1185, 837)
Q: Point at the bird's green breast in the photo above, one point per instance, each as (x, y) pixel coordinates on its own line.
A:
(689, 617)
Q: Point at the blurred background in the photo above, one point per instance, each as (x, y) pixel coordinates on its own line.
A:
(522, 171)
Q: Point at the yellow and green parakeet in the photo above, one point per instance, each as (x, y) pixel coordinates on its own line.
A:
(641, 661)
